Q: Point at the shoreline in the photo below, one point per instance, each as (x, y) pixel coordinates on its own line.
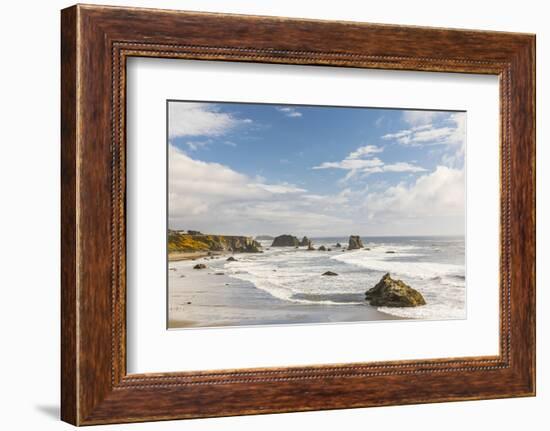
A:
(202, 254)
(194, 255)
(210, 298)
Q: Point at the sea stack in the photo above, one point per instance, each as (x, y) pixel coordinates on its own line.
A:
(355, 242)
(393, 293)
(285, 241)
(305, 241)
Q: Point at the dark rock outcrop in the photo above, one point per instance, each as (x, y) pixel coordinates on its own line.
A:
(338, 245)
(231, 259)
(390, 252)
(394, 293)
(329, 273)
(285, 241)
(355, 242)
(322, 248)
(305, 241)
(310, 247)
(244, 244)
(200, 266)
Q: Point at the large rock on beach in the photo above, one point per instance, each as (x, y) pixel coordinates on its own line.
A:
(200, 266)
(393, 293)
(285, 241)
(329, 273)
(355, 242)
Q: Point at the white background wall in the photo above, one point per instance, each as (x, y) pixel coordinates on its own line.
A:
(29, 227)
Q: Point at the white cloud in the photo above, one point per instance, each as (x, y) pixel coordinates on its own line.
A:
(419, 118)
(195, 145)
(437, 194)
(402, 167)
(289, 111)
(427, 134)
(281, 188)
(200, 119)
(352, 164)
(189, 177)
(441, 134)
(365, 151)
(214, 198)
(355, 165)
(456, 157)
(449, 132)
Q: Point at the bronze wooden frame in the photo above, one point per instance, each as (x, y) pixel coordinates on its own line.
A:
(96, 41)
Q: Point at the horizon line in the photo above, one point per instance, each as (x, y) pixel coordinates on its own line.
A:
(321, 236)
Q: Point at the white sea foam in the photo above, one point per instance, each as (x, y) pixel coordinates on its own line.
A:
(380, 260)
(292, 275)
(295, 275)
(441, 284)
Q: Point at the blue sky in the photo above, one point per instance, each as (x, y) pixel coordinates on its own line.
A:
(271, 169)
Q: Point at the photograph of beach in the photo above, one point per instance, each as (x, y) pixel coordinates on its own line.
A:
(300, 214)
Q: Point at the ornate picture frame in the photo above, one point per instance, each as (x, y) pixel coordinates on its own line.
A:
(96, 41)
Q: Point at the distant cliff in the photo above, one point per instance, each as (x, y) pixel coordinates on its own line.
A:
(185, 242)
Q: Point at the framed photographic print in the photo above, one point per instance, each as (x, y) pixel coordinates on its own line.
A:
(246, 169)
(268, 215)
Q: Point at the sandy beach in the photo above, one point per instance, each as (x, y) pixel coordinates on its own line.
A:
(211, 298)
(190, 255)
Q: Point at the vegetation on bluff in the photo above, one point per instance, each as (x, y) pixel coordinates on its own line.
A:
(185, 242)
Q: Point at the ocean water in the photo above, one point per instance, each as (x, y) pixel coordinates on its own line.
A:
(435, 266)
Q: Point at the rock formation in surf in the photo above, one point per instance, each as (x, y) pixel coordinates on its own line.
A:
(393, 293)
(285, 241)
(355, 242)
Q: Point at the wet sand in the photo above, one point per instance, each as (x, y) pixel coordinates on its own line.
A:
(191, 255)
(210, 298)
